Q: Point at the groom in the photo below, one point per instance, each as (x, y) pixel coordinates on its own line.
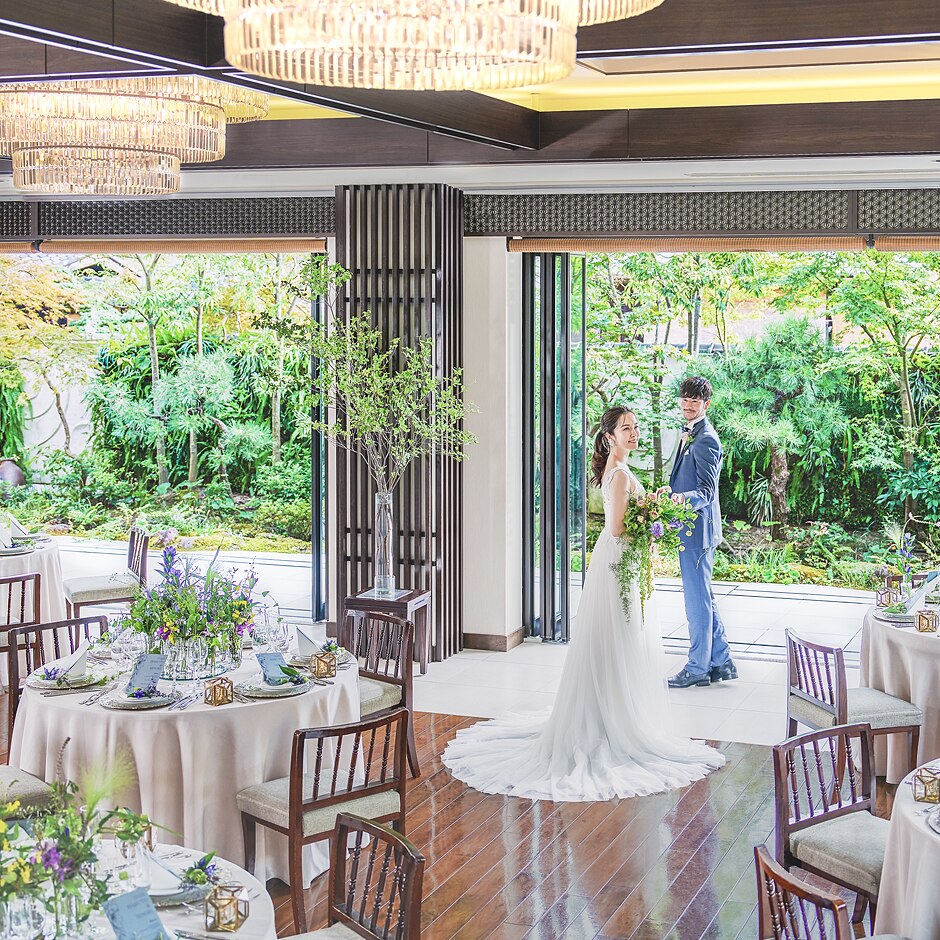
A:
(694, 479)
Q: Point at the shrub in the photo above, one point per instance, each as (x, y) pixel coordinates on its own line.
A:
(291, 519)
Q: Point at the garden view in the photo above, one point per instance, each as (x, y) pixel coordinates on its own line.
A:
(192, 373)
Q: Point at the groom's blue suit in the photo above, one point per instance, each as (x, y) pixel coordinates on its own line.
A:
(695, 474)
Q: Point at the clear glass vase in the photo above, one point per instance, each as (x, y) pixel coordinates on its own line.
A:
(383, 546)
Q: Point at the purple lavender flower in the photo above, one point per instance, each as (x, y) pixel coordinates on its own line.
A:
(657, 529)
(675, 524)
(52, 861)
(50, 672)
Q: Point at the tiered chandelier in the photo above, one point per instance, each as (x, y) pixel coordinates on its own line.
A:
(120, 136)
(416, 45)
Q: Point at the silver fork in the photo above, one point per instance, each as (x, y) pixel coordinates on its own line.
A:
(94, 697)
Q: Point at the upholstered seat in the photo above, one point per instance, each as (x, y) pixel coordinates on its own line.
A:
(115, 586)
(376, 696)
(269, 803)
(850, 848)
(865, 706)
(16, 784)
(333, 932)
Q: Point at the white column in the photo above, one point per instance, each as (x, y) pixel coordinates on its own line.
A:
(492, 471)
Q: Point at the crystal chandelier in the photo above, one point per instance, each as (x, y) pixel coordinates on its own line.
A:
(606, 11)
(93, 171)
(123, 136)
(417, 45)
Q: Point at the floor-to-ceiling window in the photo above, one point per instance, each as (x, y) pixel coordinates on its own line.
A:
(554, 476)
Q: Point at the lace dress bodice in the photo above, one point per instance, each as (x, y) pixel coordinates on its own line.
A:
(634, 489)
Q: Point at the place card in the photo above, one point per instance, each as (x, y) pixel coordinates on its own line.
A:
(271, 665)
(146, 673)
(76, 664)
(306, 645)
(133, 917)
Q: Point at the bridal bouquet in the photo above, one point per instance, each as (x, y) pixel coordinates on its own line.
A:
(651, 522)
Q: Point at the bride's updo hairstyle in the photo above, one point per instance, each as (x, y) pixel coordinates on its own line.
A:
(609, 422)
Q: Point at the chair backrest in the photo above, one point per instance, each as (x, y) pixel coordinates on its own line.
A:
(819, 776)
(137, 544)
(795, 910)
(817, 674)
(363, 758)
(375, 880)
(20, 599)
(895, 580)
(32, 645)
(383, 644)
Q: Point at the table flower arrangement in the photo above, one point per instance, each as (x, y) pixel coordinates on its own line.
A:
(49, 860)
(652, 522)
(198, 619)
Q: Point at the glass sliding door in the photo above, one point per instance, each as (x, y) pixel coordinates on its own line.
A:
(318, 494)
(553, 436)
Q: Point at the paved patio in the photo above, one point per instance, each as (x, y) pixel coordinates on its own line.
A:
(484, 684)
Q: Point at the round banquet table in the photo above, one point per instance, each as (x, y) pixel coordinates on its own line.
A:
(905, 663)
(908, 902)
(190, 764)
(260, 922)
(44, 559)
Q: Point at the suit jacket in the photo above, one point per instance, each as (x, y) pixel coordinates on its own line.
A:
(695, 473)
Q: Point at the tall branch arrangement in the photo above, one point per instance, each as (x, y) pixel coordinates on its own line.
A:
(384, 400)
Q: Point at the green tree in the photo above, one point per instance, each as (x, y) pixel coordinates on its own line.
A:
(777, 396)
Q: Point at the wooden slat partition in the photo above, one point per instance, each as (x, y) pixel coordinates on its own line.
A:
(403, 245)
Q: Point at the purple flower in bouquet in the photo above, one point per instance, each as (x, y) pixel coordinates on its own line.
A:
(52, 861)
(50, 672)
(657, 529)
(675, 524)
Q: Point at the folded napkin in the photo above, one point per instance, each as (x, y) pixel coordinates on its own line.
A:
(75, 665)
(306, 647)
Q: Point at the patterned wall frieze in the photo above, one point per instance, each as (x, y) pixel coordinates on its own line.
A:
(300, 215)
(14, 220)
(595, 213)
(899, 210)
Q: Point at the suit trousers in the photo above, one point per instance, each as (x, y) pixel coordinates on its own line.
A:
(709, 646)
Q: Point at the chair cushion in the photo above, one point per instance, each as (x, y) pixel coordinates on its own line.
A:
(101, 587)
(878, 708)
(268, 801)
(850, 848)
(333, 932)
(376, 696)
(16, 784)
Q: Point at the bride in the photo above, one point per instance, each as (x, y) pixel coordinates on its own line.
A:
(610, 732)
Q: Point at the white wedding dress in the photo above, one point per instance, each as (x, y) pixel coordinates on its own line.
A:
(610, 732)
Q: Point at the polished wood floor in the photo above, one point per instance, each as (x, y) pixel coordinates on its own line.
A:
(677, 865)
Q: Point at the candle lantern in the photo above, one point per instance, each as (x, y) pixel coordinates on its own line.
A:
(324, 665)
(226, 908)
(927, 785)
(220, 691)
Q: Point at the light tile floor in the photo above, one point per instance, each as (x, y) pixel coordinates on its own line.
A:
(751, 709)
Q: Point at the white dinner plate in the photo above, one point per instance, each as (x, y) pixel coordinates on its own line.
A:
(35, 681)
(120, 701)
(259, 689)
(17, 550)
(933, 820)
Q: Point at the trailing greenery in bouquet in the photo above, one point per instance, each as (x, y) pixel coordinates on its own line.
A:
(188, 606)
(652, 522)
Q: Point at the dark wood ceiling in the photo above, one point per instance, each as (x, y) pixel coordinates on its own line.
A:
(83, 37)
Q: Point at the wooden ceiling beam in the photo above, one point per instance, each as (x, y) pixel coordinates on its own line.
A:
(156, 34)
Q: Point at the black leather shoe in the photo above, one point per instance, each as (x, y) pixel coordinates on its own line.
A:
(725, 672)
(685, 680)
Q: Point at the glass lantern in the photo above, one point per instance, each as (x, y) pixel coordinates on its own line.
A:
(226, 908)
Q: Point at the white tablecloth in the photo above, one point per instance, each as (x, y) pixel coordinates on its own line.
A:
(905, 663)
(190, 764)
(260, 923)
(908, 902)
(44, 559)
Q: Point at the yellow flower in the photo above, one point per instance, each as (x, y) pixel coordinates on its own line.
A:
(13, 806)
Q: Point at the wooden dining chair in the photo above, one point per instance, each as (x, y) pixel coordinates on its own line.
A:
(20, 603)
(819, 696)
(796, 910)
(358, 768)
(119, 587)
(31, 646)
(376, 878)
(895, 580)
(824, 785)
(384, 647)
